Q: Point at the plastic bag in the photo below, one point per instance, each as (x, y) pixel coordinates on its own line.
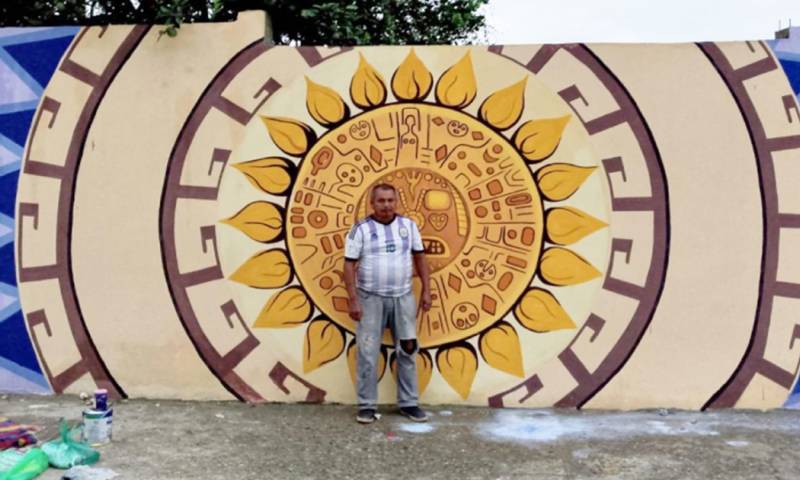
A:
(31, 465)
(9, 458)
(67, 452)
(83, 472)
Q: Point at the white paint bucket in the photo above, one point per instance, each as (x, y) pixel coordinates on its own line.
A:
(97, 426)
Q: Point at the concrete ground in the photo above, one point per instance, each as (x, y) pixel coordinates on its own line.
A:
(220, 440)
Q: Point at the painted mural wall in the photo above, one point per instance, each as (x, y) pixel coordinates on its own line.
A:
(608, 226)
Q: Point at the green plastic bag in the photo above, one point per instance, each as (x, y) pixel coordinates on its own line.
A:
(9, 458)
(31, 465)
(67, 452)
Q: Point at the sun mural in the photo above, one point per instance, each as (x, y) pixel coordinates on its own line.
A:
(477, 194)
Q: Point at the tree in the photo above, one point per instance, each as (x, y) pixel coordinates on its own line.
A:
(296, 22)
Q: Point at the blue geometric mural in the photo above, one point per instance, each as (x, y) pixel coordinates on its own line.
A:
(28, 58)
(788, 53)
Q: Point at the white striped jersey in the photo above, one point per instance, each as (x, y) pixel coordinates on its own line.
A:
(383, 253)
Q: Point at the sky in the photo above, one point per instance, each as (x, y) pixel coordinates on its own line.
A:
(562, 21)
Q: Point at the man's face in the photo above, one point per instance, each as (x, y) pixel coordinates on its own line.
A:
(383, 203)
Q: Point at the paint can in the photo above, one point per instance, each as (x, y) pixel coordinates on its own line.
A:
(97, 426)
(101, 399)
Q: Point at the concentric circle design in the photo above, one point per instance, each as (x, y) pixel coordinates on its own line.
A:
(471, 194)
(59, 320)
(481, 206)
(533, 172)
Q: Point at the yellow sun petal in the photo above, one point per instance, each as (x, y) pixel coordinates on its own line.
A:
(503, 108)
(261, 221)
(412, 80)
(267, 269)
(352, 355)
(424, 369)
(323, 343)
(458, 365)
(567, 225)
(325, 105)
(286, 308)
(560, 266)
(500, 347)
(367, 88)
(271, 174)
(540, 311)
(457, 86)
(291, 136)
(559, 181)
(537, 139)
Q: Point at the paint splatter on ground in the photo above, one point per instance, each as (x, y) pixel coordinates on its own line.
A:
(415, 427)
(534, 426)
(582, 453)
(737, 443)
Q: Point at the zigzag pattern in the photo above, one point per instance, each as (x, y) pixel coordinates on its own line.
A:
(28, 58)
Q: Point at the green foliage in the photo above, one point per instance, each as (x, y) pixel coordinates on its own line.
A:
(360, 22)
(295, 22)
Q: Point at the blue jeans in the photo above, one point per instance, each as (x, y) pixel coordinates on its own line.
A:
(400, 315)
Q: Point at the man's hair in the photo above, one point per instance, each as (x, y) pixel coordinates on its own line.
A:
(381, 186)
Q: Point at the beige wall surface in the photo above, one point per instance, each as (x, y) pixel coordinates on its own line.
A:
(608, 226)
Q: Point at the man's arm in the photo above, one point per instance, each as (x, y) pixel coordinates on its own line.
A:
(350, 267)
(421, 266)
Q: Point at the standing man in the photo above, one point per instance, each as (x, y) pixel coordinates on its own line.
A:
(377, 273)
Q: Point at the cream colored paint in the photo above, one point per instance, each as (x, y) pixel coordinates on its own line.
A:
(707, 308)
(116, 254)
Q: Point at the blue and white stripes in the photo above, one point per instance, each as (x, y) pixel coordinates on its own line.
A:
(384, 254)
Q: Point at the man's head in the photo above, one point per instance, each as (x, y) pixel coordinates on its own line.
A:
(383, 199)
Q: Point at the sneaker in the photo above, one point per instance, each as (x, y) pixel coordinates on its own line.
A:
(414, 413)
(366, 415)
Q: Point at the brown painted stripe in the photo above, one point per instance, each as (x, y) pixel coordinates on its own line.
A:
(201, 276)
(531, 386)
(541, 57)
(42, 169)
(783, 143)
(80, 73)
(754, 69)
(789, 220)
(312, 56)
(729, 393)
(220, 365)
(178, 282)
(197, 192)
(786, 289)
(605, 122)
(650, 293)
(575, 367)
(777, 374)
(232, 110)
(90, 362)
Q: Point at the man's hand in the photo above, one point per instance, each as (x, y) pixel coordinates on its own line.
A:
(421, 266)
(426, 300)
(349, 275)
(355, 310)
